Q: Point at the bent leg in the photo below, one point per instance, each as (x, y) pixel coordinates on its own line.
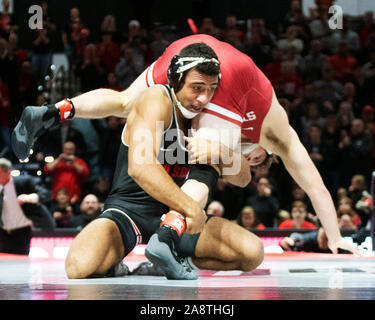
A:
(96, 249)
(224, 245)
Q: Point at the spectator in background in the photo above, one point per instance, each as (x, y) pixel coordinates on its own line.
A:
(331, 138)
(50, 25)
(350, 96)
(369, 67)
(75, 38)
(316, 148)
(357, 191)
(92, 71)
(41, 55)
(5, 111)
(135, 39)
(102, 189)
(356, 152)
(159, 44)
(12, 217)
(343, 63)
(112, 82)
(329, 89)
(257, 51)
(267, 38)
(345, 34)
(62, 209)
(312, 116)
(298, 194)
(247, 218)
(110, 140)
(108, 51)
(7, 23)
(109, 26)
(299, 108)
(215, 208)
(291, 38)
(313, 63)
(344, 211)
(27, 85)
(89, 210)
(367, 28)
(367, 116)
(51, 143)
(346, 223)
(208, 27)
(265, 205)
(318, 26)
(68, 171)
(9, 75)
(282, 216)
(273, 69)
(291, 83)
(232, 34)
(299, 215)
(129, 68)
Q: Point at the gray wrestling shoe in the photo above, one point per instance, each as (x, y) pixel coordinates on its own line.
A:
(33, 123)
(160, 254)
(147, 268)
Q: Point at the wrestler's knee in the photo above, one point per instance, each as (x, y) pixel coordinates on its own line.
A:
(253, 255)
(92, 250)
(74, 268)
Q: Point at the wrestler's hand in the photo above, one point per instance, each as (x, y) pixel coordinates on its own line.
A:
(195, 220)
(203, 151)
(343, 244)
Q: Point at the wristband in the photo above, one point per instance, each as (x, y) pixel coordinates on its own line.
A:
(66, 109)
(174, 221)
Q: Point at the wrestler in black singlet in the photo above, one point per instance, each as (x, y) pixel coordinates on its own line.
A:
(128, 199)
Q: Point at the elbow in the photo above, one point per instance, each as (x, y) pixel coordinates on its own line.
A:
(243, 182)
(134, 172)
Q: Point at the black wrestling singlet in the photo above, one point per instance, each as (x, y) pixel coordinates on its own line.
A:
(128, 196)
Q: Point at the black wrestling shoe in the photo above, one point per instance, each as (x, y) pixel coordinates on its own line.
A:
(147, 268)
(33, 123)
(119, 270)
(162, 255)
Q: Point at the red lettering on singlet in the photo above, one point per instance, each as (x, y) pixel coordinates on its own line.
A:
(177, 171)
(167, 167)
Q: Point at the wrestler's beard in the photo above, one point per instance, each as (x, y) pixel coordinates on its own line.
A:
(187, 114)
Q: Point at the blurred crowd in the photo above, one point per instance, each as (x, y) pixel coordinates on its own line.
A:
(324, 78)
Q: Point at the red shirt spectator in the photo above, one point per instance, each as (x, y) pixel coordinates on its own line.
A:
(247, 219)
(343, 64)
(68, 172)
(108, 52)
(290, 224)
(299, 213)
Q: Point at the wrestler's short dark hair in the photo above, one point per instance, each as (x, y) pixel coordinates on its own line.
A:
(202, 50)
(210, 67)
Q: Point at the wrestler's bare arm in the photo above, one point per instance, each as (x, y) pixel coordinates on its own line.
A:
(279, 137)
(222, 158)
(102, 103)
(143, 136)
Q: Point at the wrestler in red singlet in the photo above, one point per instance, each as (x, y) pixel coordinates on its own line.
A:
(244, 95)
